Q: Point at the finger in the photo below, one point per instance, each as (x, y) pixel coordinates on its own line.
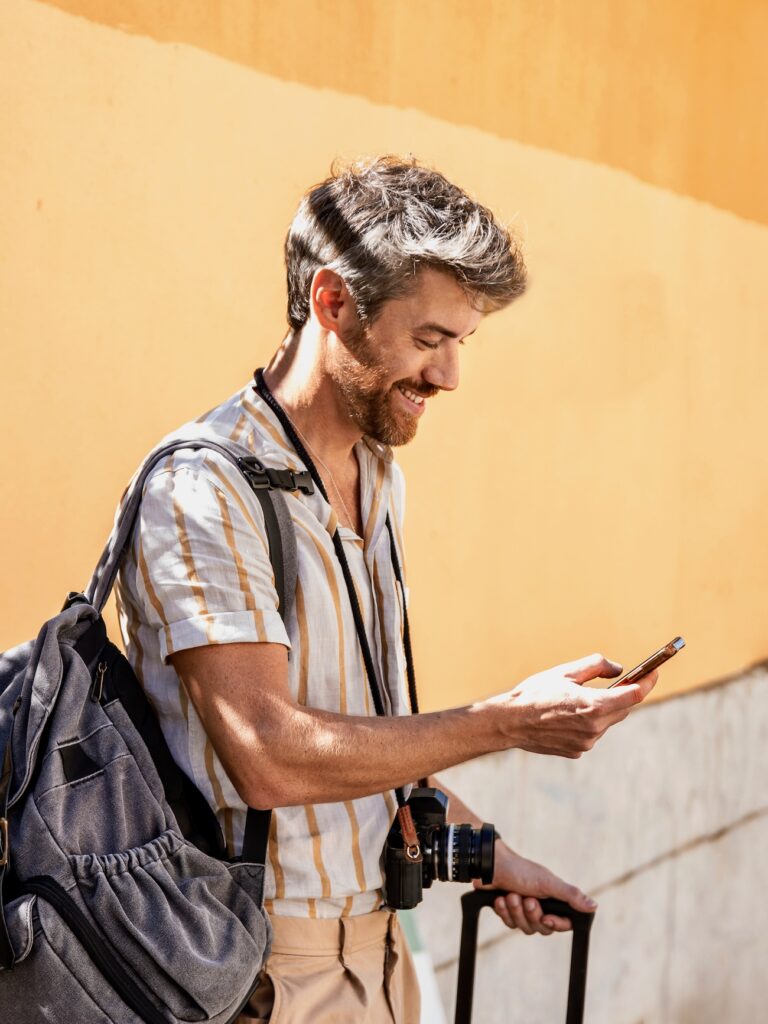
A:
(647, 683)
(611, 719)
(557, 924)
(517, 914)
(571, 895)
(594, 666)
(579, 900)
(533, 915)
(500, 907)
(627, 695)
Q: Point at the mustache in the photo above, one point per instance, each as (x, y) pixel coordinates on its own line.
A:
(422, 390)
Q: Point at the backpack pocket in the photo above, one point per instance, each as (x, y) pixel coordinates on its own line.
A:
(18, 921)
(95, 771)
(192, 928)
(56, 980)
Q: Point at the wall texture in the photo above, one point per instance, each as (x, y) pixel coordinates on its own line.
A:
(666, 823)
(598, 481)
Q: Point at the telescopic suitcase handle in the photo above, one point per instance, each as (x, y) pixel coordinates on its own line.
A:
(471, 905)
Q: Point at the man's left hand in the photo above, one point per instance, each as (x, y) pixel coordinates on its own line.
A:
(526, 882)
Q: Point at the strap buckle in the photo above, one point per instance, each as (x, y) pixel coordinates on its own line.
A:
(5, 853)
(261, 477)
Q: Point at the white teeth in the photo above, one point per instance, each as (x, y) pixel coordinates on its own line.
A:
(418, 399)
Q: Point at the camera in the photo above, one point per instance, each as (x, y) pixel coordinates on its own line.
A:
(449, 853)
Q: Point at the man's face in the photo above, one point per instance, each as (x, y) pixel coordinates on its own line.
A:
(386, 373)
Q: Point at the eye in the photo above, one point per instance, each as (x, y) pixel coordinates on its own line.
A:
(427, 344)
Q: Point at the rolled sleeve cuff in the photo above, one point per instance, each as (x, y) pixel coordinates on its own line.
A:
(258, 626)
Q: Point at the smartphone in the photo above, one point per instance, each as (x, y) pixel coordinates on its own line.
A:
(662, 655)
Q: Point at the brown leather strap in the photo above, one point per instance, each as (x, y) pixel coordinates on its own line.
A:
(410, 838)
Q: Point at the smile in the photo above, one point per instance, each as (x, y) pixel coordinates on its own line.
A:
(412, 397)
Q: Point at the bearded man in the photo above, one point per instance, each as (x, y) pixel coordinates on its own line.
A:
(390, 268)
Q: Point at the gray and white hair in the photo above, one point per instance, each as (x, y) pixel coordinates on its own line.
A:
(377, 222)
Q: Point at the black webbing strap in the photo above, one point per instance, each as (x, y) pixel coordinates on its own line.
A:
(262, 480)
(257, 823)
(256, 836)
(471, 905)
(6, 949)
(274, 543)
(259, 477)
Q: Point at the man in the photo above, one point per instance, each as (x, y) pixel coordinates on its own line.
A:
(390, 268)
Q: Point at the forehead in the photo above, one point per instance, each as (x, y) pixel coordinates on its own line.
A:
(435, 300)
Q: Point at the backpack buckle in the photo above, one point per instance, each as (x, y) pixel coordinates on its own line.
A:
(288, 480)
(264, 478)
(303, 482)
(5, 853)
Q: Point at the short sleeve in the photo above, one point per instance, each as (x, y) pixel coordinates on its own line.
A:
(203, 569)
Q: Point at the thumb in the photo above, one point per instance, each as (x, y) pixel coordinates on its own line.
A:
(574, 897)
(594, 666)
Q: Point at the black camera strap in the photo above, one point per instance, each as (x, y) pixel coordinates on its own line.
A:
(338, 545)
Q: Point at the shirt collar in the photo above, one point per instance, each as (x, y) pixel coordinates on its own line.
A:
(381, 451)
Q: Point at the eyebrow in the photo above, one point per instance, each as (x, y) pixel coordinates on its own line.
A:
(440, 330)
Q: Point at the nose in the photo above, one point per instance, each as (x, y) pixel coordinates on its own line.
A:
(443, 370)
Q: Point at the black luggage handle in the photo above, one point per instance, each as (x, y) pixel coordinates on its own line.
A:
(471, 905)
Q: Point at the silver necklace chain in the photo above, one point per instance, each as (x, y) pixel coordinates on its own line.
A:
(350, 520)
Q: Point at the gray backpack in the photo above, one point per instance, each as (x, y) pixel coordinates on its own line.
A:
(117, 900)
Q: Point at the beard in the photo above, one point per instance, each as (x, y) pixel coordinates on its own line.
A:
(363, 382)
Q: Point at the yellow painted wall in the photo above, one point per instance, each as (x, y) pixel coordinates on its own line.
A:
(598, 481)
(671, 90)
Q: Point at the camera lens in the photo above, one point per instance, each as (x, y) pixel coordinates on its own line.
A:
(459, 853)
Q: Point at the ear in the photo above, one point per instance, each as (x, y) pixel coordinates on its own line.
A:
(331, 302)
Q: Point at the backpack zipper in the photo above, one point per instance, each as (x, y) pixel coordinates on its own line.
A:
(98, 683)
(95, 947)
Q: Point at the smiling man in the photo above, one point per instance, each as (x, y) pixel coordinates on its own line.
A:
(390, 268)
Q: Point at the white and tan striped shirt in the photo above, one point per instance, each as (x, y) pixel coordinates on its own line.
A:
(198, 573)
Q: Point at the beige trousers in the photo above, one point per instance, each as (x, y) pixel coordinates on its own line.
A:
(354, 970)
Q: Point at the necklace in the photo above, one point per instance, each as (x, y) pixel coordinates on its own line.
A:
(350, 520)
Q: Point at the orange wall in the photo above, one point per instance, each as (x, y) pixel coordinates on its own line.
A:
(597, 481)
(670, 90)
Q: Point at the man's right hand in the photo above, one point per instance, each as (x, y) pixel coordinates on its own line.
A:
(552, 712)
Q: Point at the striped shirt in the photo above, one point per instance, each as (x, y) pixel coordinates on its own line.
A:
(197, 572)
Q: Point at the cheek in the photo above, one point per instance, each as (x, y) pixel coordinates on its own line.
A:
(408, 367)
(397, 359)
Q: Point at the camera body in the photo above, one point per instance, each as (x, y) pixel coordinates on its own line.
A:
(450, 853)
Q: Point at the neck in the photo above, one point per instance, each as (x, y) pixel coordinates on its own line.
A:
(297, 377)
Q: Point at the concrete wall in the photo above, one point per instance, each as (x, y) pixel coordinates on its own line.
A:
(666, 823)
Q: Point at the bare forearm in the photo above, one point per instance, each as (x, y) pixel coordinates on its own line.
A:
(279, 753)
(317, 757)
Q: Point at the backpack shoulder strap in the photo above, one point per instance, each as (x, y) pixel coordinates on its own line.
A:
(266, 483)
